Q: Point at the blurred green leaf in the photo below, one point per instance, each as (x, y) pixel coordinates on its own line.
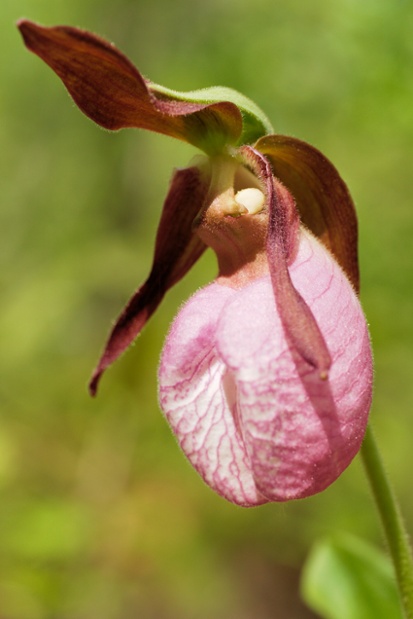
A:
(345, 578)
(46, 530)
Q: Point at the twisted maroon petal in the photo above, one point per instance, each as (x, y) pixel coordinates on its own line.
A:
(282, 240)
(110, 90)
(177, 249)
(322, 197)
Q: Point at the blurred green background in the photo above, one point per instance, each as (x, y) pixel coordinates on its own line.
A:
(100, 515)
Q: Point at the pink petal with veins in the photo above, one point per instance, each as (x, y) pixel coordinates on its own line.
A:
(198, 396)
(251, 415)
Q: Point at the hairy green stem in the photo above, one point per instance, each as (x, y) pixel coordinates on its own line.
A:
(392, 521)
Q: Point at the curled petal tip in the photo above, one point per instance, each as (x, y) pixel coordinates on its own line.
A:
(94, 383)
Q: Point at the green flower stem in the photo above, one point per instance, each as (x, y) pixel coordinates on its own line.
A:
(392, 521)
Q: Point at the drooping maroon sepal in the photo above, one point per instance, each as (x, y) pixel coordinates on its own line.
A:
(322, 197)
(282, 240)
(177, 248)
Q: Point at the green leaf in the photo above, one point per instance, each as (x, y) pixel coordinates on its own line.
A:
(345, 578)
(255, 123)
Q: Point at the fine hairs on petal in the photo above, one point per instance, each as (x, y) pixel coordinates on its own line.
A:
(322, 197)
(297, 318)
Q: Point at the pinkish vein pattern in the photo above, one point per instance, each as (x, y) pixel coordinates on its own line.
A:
(254, 419)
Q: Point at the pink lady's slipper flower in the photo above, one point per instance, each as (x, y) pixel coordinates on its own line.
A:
(266, 374)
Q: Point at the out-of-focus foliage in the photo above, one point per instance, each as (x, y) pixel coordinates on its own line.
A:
(100, 516)
(345, 578)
